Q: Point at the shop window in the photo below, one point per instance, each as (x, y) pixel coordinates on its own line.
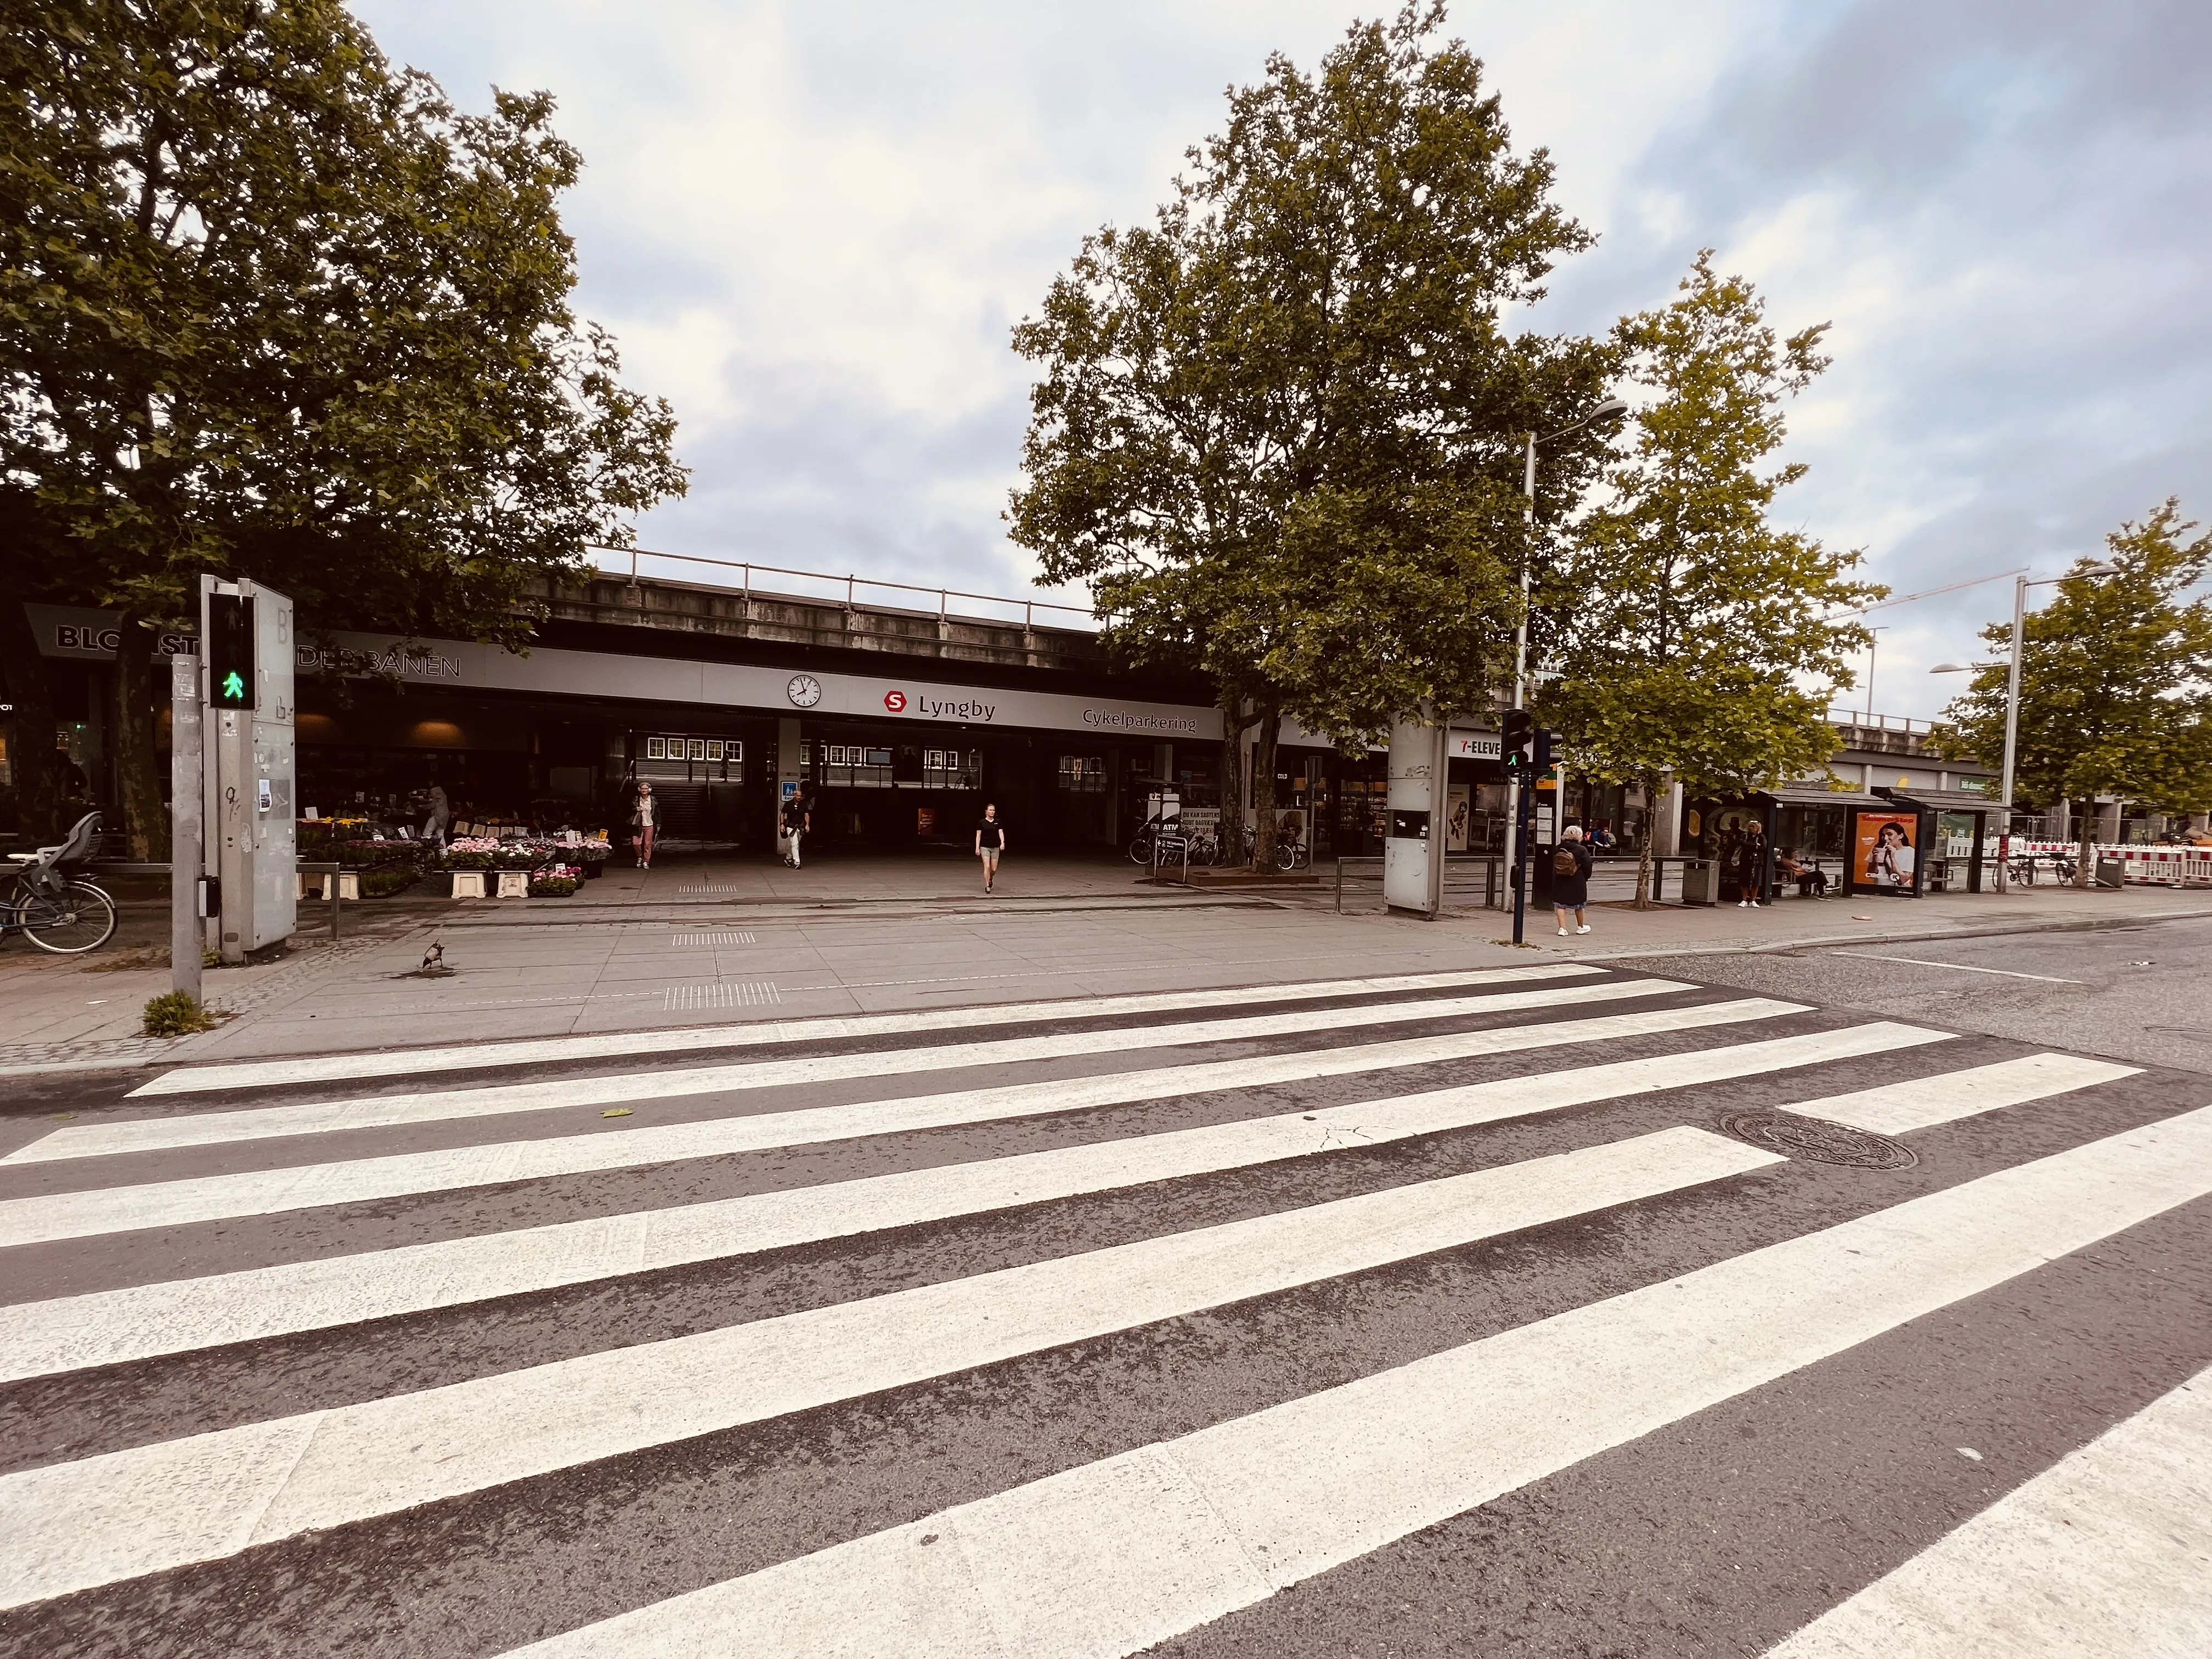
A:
(948, 769)
(1083, 774)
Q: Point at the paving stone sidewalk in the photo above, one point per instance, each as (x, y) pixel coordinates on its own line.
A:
(695, 942)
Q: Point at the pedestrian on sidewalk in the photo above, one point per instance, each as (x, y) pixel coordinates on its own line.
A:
(1571, 871)
(1753, 891)
(643, 809)
(990, 841)
(798, 819)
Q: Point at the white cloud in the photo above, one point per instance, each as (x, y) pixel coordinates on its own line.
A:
(811, 229)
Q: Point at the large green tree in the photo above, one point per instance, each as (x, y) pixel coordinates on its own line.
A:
(1697, 642)
(2115, 684)
(274, 309)
(1277, 429)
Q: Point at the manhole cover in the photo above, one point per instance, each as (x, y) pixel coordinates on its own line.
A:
(1818, 1141)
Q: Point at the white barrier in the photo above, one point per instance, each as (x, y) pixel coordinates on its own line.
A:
(2153, 867)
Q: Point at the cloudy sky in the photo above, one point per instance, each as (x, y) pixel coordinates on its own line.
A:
(811, 228)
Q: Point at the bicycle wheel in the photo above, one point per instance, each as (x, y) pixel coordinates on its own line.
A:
(1141, 850)
(79, 918)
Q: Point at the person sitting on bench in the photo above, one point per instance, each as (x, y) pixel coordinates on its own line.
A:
(1810, 878)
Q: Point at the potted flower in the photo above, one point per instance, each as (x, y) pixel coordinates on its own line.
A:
(554, 881)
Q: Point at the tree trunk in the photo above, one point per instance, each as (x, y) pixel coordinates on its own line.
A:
(137, 766)
(1232, 776)
(1263, 789)
(1651, 788)
(2085, 867)
(33, 763)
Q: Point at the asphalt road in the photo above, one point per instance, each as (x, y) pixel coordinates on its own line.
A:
(1553, 1310)
(2140, 993)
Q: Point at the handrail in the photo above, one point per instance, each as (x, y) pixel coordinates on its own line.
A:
(1865, 722)
(945, 595)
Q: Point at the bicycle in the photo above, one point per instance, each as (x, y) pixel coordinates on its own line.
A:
(55, 912)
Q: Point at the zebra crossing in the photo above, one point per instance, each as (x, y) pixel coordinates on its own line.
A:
(1082, 1326)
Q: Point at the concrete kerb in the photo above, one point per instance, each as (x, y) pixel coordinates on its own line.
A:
(2086, 925)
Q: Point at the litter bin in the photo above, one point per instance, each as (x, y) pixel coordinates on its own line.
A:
(2112, 872)
(1700, 881)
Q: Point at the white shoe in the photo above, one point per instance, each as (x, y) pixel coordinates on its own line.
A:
(1563, 932)
(1743, 904)
(1584, 928)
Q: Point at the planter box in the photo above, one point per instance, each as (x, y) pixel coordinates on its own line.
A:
(318, 883)
(512, 883)
(460, 883)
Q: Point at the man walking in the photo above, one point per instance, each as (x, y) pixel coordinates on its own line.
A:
(798, 819)
(1571, 871)
(990, 841)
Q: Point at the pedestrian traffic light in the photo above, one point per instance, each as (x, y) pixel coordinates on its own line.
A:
(230, 651)
(1513, 740)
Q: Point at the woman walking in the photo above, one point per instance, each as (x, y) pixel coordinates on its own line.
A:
(642, 814)
(990, 841)
(1571, 871)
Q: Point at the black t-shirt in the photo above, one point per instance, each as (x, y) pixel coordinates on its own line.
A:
(992, 831)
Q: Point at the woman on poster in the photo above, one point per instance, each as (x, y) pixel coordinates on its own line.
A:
(1889, 866)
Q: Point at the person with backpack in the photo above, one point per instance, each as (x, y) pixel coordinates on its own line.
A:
(644, 811)
(1571, 871)
(798, 819)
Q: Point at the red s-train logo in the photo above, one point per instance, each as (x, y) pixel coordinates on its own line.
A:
(895, 701)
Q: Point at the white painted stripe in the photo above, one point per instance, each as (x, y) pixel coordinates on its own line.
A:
(2107, 1552)
(115, 1516)
(1896, 1109)
(543, 1095)
(1960, 967)
(1113, 1557)
(268, 1191)
(538, 1051)
(40, 1338)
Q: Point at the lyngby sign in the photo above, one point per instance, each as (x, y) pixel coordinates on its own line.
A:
(730, 685)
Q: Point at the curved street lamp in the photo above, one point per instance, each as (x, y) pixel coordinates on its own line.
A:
(2096, 572)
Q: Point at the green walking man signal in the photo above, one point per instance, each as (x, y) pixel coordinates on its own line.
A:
(1515, 735)
(230, 651)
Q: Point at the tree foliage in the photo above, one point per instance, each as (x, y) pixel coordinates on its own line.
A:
(1693, 638)
(274, 309)
(2116, 680)
(1276, 429)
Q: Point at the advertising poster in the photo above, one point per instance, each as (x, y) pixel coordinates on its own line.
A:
(1883, 857)
(1459, 814)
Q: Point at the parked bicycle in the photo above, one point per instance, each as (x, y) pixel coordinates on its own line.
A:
(54, 908)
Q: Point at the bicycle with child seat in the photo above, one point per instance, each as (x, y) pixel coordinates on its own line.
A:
(54, 909)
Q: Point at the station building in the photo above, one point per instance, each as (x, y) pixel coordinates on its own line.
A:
(898, 723)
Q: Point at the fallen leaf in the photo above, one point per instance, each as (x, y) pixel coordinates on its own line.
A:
(618, 1111)
(1861, 918)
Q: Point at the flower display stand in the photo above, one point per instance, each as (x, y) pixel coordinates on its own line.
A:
(466, 884)
(512, 883)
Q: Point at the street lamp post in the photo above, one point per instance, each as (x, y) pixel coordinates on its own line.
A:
(2020, 584)
(1604, 411)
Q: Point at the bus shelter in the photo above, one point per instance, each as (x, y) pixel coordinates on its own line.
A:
(1814, 825)
(1952, 838)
